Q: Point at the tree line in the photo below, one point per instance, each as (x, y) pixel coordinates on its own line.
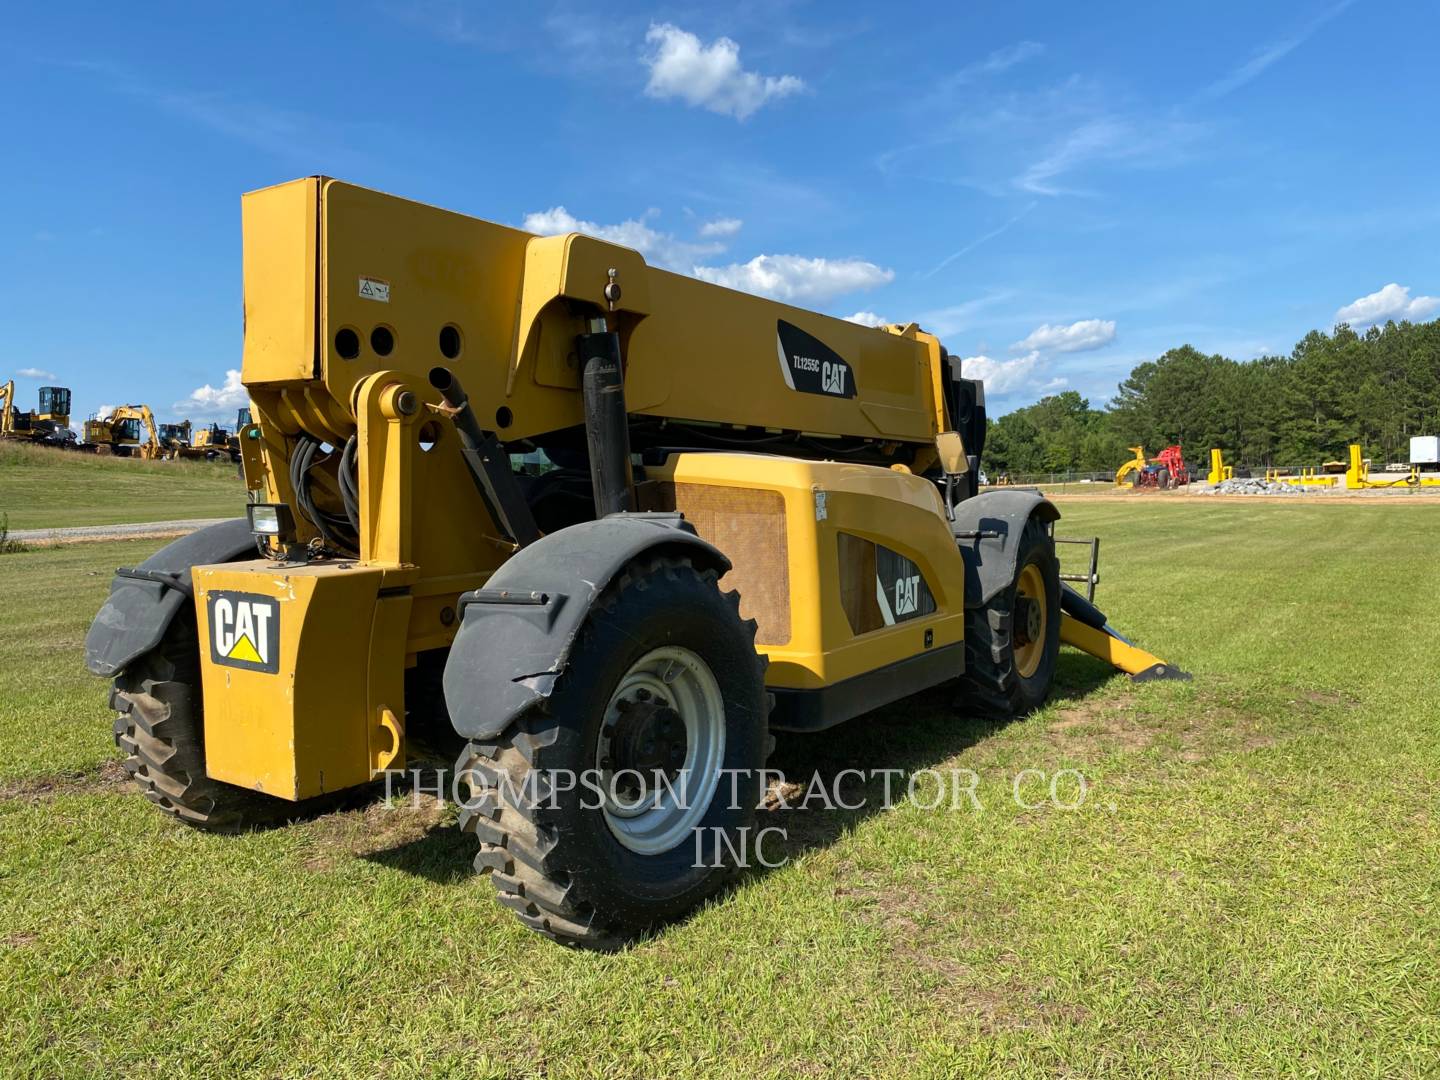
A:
(1377, 388)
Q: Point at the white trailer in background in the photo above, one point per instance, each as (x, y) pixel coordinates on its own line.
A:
(1425, 452)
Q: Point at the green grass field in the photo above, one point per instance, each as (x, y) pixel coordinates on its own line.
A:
(1249, 888)
(45, 488)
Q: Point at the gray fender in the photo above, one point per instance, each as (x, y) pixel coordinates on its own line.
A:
(987, 530)
(144, 600)
(516, 633)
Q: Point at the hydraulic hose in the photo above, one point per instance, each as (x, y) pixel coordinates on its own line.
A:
(489, 463)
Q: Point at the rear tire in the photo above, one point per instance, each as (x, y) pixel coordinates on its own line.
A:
(557, 858)
(1007, 672)
(161, 729)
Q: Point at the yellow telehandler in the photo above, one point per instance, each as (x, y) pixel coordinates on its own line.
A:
(624, 524)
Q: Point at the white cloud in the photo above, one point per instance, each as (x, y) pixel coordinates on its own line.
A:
(103, 411)
(659, 248)
(949, 321)
(792, 278)
(867, 318)
(991, 235)
(1001, 376)
(725, 226)
(709, 76)
(35, 373)
(214, 401)
(796, 279)
(1391, 302)
(1277, 50)
(1077, 337)
(1083, 129)
(283, 132)
(1102, 138)
(998, 61)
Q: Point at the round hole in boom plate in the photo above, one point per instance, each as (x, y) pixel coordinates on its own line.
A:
(382, 340)
(347, 343)
(429, 435)
(450, 341)
(504, 417)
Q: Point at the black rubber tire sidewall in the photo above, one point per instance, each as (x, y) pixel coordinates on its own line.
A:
(1037, 548)
(676, 607)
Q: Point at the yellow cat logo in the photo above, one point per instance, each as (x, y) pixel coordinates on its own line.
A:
(244, 630)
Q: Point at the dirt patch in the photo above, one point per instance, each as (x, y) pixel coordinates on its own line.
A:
(782, 795)
(1210, 727)
(1326, 698)
(18, 939)
(1103, 724)
(381, 826)
(1085, 713)
(109, 776)
(1014, 1004)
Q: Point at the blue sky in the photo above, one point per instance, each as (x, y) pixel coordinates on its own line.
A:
(1060, 190)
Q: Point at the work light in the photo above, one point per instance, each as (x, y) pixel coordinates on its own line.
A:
(272, 519)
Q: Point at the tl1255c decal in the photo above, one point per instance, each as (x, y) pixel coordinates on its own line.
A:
(810, 366)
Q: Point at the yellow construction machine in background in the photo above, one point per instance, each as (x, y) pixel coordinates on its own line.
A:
(1219, 471)
(125, 431)
(1352, 475)
(175, 439)
(49, 424)
(1126, 473)
(1166, 470)
(750, 517)
(211, 441)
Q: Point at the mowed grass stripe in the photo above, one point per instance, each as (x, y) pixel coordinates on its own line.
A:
(45, 488)
(1248, 888)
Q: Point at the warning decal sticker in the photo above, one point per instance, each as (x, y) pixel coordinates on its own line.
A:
(374, 288)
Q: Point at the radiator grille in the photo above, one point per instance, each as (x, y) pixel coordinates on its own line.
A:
(748, 525)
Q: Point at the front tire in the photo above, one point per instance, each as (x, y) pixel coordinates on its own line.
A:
(1012, 643)
(661, 661)
(161, 729)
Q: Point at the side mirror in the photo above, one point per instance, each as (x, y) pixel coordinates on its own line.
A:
(952, 453)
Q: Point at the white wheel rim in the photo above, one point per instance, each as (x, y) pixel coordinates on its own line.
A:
(657, 818)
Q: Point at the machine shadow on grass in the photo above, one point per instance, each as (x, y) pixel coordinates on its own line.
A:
(921, 732)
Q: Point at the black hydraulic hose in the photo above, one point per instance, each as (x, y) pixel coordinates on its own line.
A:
(1074, 604)
(350, 483)
(607, 423)
(336, 531)
(489, 463)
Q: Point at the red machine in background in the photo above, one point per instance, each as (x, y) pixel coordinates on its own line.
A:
(1169, 465)
(1165, 471)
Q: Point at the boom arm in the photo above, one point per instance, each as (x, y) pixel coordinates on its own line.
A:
(406, 287)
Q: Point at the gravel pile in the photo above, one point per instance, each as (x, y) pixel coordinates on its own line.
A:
(1252, 487)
